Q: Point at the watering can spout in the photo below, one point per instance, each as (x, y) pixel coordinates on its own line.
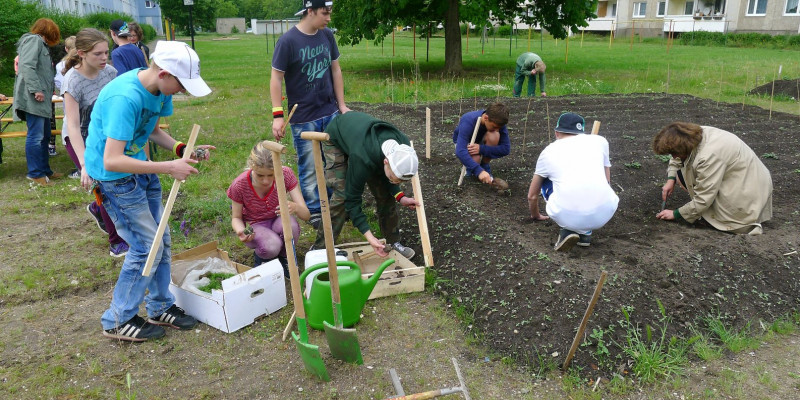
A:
(369, 284)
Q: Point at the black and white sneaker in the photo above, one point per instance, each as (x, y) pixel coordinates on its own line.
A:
(315, 220)
(135, 330)
(174, 317)
(404, 251)
(566, 240)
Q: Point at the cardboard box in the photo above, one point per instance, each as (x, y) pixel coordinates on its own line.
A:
(402, 277)
(244, 297)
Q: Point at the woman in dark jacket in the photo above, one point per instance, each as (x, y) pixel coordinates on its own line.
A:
(33, 94)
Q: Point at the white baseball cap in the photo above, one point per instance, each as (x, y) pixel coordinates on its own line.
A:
(402, 159)
(180, 60)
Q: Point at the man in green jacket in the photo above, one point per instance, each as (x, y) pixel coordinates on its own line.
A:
(363, 150)
(529, 65)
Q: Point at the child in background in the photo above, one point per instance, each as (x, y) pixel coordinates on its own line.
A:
(255, 202)
(491, 142)
(69, 44)
(85, 73)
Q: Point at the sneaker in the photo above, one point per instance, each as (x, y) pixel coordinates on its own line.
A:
(75, 174)
(95, 212)
(43, 181)
(55, 175)
(119, 249)
(404, 251)
(174, 317)
(51, 149)
(566, 240)
(285, 264)
(585, 240)
(315, 220)
(135, 330)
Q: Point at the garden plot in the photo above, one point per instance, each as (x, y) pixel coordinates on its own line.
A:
(526, 300)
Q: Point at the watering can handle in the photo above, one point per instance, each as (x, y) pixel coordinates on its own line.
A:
(313, 268)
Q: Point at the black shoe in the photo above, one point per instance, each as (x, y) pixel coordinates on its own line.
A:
(135, 330)
(285, 264)
(315, 220)
(174, 317)
(585, 240)
(95, 212)
(566, 240)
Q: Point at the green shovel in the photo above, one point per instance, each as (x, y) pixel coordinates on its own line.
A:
(309, 353)
(342, 342)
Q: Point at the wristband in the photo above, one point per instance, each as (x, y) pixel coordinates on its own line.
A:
(671, 177)
(179, 148)
(676, 214)
(277, 114)
(399, 196)
(274, 109)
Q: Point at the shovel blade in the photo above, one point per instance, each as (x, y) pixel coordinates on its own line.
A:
(312, 359)
(343, 344)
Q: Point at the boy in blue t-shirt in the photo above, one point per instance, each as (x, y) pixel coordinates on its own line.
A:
(125, 116)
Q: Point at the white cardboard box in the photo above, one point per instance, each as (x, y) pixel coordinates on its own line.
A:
(244, 297)
(402, 277)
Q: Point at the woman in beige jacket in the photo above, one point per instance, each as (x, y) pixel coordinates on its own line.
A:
(729, 186)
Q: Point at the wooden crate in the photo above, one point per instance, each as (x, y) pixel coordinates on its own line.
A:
(402, 277)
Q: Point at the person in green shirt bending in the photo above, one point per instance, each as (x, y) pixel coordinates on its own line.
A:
(529, 65)
(365, 151)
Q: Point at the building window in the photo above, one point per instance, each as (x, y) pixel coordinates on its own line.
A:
(689, 8)
(662, 7)
(149, 4)
(614, 10)
(791, 7)
(640, 9)
(756, 7)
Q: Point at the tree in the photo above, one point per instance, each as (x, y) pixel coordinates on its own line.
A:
(204, 12)
(368, 19)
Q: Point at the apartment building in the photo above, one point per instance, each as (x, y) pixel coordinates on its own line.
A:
(143, 11)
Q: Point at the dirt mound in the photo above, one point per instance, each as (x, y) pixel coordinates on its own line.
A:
(783, 87)
(526, 300)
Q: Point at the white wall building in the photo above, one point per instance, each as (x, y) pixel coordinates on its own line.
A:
(143, 11)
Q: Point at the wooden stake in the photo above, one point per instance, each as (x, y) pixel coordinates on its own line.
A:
(525, 130)
(596, 128)
(173, 193)
(772, 96)
(498, 86)
(547, 109)
(585, 320)
(422, 221)
(461, 97)
(475, 106)
(744, 92)
(667, 90)
(721, 74)
(566, 54)
(427, 133)
(472, 141)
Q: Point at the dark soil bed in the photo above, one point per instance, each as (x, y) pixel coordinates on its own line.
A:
(526, 300)
(781, 87)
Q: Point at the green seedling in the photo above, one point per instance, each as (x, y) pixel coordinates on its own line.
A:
(216, 281)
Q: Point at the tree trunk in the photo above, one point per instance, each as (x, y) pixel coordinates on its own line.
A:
(452, 39)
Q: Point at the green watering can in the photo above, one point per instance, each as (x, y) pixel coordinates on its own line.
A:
(354, 292)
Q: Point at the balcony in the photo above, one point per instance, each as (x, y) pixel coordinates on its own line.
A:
(690, 23)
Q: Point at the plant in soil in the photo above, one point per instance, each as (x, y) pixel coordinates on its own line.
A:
(215, 279)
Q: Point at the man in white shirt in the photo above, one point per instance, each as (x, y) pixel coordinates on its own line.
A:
(573, 175)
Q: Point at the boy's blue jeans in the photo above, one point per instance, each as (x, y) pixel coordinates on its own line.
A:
(305, 160)
(36, 142)
(134, 204)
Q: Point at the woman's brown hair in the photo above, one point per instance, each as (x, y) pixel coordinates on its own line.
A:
(678, 139)
(85, 41)
(48, 30)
